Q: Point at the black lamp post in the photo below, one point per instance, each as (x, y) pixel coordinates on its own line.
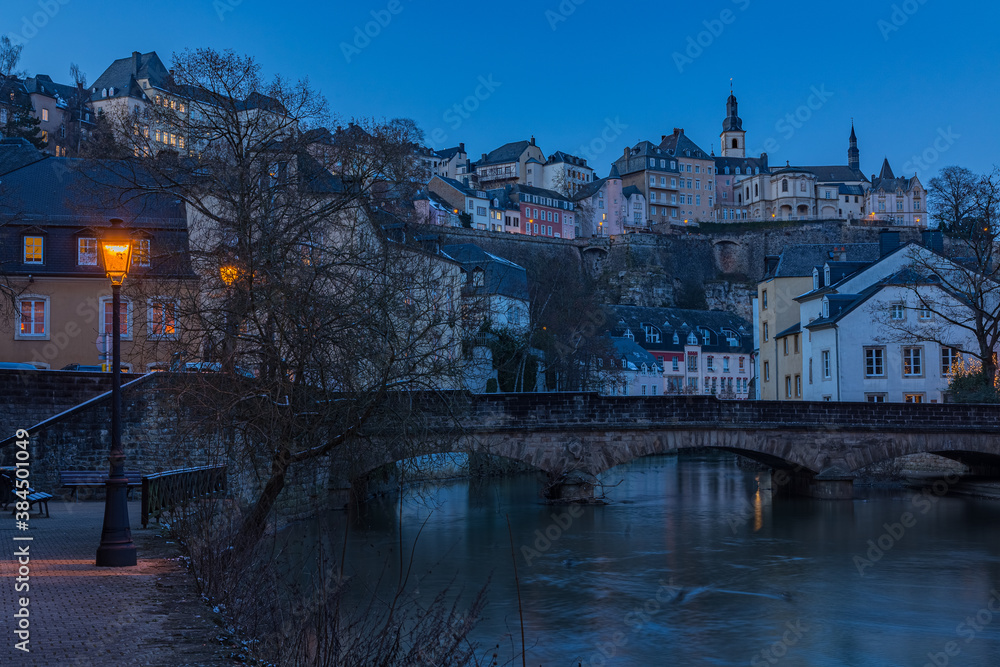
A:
(229, 273)
(116, 549)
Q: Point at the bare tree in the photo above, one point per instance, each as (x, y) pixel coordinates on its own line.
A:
(959, 294)
(951, 197)
(10, 58)
(300, 283)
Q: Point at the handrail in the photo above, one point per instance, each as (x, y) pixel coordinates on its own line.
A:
(165, 491)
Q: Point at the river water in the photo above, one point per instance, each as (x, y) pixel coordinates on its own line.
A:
(692, 563)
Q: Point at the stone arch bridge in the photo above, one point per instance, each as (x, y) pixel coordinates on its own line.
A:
(574, 437)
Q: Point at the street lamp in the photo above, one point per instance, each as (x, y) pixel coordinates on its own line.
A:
(229, 273)
(116, 549)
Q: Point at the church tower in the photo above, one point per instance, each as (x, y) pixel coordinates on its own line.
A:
(853, 154)
(733, 136)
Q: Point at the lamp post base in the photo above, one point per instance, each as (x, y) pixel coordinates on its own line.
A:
(116, 548)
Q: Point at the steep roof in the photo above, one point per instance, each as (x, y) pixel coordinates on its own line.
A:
(122, 76)
(798, 260)
(589, 190)
(538, 192)
(680, 145)
(743, 163)
(500, 276)
(16, 153)
(507, 153)
(835, 173)
(61, 198)
(633, 354)
(682, 321)
(560, 156)
(43, 84)
(886, 173)
(448, 153)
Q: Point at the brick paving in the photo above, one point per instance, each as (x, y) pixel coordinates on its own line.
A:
(81, 614)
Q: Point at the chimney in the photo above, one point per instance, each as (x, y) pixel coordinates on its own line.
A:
(532, 140)
(484, 157)
(887, 242)
(625, 155)
(678, 130)
(136, 62)
(461, 148)
(933, 240)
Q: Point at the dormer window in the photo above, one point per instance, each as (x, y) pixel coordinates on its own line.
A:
(706, 336)
(629, 334)
(826, 308)
(34, 250)
(692, 339)
(86, 254)
(677, 339)
(815, 278)
(104, 92)
(478, 278)
(826, 275)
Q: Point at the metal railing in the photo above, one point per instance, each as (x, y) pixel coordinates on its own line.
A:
(165, 491)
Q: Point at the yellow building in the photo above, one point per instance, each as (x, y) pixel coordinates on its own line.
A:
(799, 269)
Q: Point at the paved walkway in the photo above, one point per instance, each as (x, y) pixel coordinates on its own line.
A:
(81, 614)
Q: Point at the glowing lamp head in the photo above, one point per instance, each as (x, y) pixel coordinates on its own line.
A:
(229, 274)
(116, 250)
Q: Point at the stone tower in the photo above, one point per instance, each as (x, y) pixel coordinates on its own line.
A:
(733, 136)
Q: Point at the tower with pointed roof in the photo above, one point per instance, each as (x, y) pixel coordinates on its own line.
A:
(853, 154)
(733, 136)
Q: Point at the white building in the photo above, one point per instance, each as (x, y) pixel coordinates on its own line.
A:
(869, 335)
(495, 290)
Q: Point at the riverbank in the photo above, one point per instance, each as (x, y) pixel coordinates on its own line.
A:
(80, 614)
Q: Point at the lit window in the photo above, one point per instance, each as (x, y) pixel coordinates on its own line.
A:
(86, 252)
(124, 324)
(140, 256)
(33, 249)
(45, 115)
(913, 398)
(162, 318)
(924, 313)
(913, 363)
(32, 316)
(949, 357)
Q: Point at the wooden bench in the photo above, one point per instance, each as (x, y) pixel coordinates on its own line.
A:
(75, 479)
(33, 497)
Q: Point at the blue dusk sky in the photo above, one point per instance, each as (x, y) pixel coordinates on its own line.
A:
(589, 77)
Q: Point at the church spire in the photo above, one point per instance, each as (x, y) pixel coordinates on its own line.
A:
(733, 135)
(853, 154)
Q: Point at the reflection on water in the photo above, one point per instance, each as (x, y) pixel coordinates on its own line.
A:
(693, 564)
